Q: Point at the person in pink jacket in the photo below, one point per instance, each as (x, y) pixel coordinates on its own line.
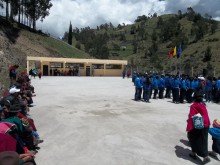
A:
(198, 138)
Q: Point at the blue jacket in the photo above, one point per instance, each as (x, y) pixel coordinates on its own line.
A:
(167, 81)
(218, 84)
(196, 84)
(215, 132)
(208, 84)
(155, 83)
(190, 84)
(138, 83)
(183, 84)
(161, 83)
(172, 82)
(134, 76)
(142, 80)
(176, 83)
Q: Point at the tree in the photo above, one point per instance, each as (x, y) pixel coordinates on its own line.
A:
(214, 26)
(160, 22)
(154, 36)
(38, 9)
(70, 36)
(78, 45)
(208, 55)
(180, 15)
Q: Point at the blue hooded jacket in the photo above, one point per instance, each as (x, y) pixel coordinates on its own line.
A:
(183, 84)
(161, 83)
(138, 83)
(155, 83)
(215, 132)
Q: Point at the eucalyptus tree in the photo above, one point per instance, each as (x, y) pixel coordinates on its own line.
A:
(37, 9)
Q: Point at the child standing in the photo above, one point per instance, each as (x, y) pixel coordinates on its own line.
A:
(215, 133)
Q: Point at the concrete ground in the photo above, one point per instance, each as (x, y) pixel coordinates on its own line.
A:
(95, 121)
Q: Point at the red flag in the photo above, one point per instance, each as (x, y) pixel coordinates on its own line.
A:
(170, 53)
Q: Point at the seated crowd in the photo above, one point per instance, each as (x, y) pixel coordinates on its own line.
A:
(19, 138)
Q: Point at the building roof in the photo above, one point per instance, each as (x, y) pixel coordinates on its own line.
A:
(77, 60)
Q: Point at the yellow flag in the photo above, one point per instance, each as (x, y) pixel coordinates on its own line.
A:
(174, 52)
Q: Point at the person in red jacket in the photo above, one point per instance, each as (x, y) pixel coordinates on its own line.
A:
(198, 138)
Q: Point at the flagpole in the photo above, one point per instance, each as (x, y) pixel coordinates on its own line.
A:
(176, 65)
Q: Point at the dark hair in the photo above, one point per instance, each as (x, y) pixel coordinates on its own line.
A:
(198, 99)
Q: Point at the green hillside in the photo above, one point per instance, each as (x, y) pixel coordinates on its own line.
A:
(146, 43)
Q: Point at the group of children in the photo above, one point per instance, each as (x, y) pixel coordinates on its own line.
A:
(180, 87)
(18, 134)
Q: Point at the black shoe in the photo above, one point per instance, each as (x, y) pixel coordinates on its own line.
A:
(213, 155)
(193, 156)
(206, 160)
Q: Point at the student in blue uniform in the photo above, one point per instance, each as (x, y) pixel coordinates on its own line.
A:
(176, 86)
(190, 90)
(161, 87)
(147, 88)
(167, 86)
(208, 89)
(134, 76)
(138, 87)
(183, 89)
(155, 85)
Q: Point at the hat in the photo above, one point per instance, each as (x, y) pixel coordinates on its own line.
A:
(216, 123)
(15, 108)
(201, 78)
(9, 158)
(14, 90)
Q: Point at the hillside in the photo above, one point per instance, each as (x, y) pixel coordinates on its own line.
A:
(17, 42)
(146, 43)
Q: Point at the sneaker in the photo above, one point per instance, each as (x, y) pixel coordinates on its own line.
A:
(206, 160)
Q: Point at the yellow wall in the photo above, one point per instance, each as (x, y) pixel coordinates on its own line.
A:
(113, 72)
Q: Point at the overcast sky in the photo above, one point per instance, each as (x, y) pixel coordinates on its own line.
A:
(91, 13)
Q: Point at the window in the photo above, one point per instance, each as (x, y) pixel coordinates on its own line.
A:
(98, 66)
(56, 65)
(75, 65)
(112, 66)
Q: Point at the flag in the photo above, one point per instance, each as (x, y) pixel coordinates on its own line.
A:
(179, 51)
(170, 54)
(174, 52)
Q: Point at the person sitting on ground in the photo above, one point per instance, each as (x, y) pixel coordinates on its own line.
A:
(198, 138)
(215, 133)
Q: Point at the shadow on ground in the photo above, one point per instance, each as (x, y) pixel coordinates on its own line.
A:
(183, 153)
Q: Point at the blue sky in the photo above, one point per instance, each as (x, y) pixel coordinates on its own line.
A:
(91, 13)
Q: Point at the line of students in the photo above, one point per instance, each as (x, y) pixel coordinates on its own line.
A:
(18, 133)
(181, 87)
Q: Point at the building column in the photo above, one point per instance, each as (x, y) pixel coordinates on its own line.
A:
(104, 69)
(41, 66)
(64, 66)
(28, 66)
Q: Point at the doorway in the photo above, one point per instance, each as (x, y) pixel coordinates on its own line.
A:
(45, 70)
(87, 70)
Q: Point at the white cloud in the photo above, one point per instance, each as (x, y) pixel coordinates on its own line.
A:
(91, 13)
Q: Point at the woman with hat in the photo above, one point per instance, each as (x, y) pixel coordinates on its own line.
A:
(215, 133)
(198, 138)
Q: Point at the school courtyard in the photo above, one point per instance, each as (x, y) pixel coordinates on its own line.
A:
(95, 121)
